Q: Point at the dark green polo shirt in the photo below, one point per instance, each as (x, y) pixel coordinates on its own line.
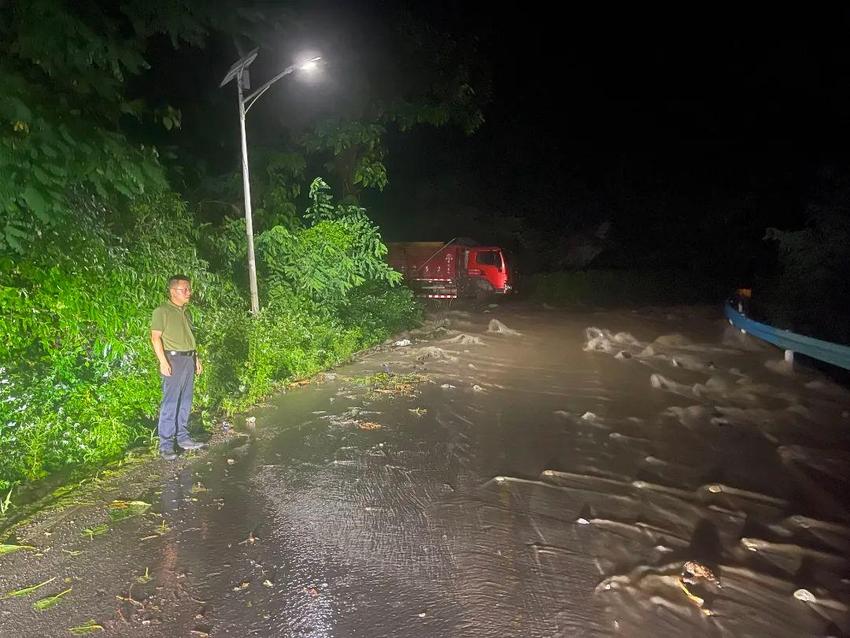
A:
(176, 327)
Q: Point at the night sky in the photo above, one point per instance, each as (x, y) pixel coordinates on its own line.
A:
(687, 129)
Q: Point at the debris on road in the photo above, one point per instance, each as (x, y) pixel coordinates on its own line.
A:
(401, 343)
(250, 540)
(497, 327)
(50, 601)
(120, 510)
(96, 530)
(698, 583)
(383, 383)
(465, 340)
(88, 628)
(8, 549)
(434, 353)
(26, 591)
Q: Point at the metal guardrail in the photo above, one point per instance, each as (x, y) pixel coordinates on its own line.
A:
(791, 342)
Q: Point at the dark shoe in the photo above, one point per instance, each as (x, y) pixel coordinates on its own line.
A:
(191, 445)
(168, 456)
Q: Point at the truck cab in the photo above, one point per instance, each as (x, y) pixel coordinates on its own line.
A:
(486, 270)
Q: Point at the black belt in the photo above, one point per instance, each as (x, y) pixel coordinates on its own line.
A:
(181, 353)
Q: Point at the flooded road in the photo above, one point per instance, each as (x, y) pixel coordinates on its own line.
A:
(513, 471)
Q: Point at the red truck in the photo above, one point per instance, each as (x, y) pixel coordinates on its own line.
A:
(459, 268)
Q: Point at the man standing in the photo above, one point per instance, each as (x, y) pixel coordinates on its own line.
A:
(174, 345)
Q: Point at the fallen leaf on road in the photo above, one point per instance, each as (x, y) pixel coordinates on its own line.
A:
(46, 603)
(369, 425)
(8, 549)
(89, 628)
(24, 591)
(119, 510)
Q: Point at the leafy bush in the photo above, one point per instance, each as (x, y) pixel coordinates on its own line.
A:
(327, 293)
(810, 293)
(79, 383)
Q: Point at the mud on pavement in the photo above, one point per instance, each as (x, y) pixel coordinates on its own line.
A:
(507, 471)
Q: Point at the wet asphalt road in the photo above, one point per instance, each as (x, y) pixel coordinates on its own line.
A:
(552, 475)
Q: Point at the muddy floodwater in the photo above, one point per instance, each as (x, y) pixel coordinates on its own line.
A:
(504, 471)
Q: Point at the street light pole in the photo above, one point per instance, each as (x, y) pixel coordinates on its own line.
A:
(246, 187)
(239, 71)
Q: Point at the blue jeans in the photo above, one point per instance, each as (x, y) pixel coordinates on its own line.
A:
(176, 402)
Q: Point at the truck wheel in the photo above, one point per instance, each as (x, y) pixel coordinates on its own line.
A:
(483, 290)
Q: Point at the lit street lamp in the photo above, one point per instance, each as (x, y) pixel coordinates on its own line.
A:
(240, 71)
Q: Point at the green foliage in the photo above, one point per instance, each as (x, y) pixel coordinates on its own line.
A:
(74, 330)
(63, 71)
(435, 79)
(325, 261)
(451, 83)
(327, 293)
(285, 174)
(380, 311)
(89, 233)
(810, 293)
(79, 382)
(357, 152)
